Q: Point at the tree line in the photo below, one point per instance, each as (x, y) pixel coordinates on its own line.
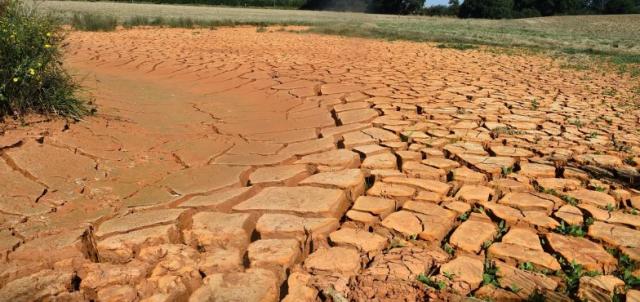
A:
(493, 9)
(498, 9)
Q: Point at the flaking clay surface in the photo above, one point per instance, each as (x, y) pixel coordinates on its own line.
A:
(223, 164)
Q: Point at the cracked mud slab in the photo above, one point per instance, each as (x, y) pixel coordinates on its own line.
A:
(277, 166)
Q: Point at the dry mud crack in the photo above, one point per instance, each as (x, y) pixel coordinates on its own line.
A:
(232, 165)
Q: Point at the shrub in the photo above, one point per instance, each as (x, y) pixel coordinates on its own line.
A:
(31, 75)
(491, 9)
(94, 22)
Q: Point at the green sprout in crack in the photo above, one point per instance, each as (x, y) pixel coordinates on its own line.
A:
(507, 170)
(447, 248)
(569, 199)
(490, 274)
(576, 122)
(600, 189)
(464, 216)
(573, 230)
(534, 104)
(502, 229)
(630, 161)
(526, 266)
(429, 281)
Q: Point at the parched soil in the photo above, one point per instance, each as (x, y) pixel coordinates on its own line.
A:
(237, 165)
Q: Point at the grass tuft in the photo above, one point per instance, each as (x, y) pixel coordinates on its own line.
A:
(32, 79)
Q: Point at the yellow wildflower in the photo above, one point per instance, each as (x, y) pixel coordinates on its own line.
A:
(16, 79)
(47, 46)
(31, 71)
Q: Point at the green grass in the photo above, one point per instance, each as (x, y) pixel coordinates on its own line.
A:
(581, 42)
(32, 79)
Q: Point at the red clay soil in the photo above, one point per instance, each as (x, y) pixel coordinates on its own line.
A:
(234, 165)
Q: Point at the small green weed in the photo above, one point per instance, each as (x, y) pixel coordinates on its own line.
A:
(534, 104)
(449, 249)
(573, 230)
(429, 281)
(490, 274)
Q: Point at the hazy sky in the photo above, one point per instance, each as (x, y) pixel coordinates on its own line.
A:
(436, 2)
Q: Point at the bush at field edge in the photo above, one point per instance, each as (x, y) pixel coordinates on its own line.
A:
(32, 79)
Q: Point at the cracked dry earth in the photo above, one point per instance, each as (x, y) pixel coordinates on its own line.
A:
(233, 165)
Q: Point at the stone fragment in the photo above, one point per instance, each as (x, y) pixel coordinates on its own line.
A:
(530, 201)
(615, 235)
(533, 170)
(351, 181)
(490, 165)
(204, 179)
(508, 214)
(558, 184)
(473, 193)
(468, 176)
(441, 188)
(138, 220)
(570, 214)
(278, 254)
(601, 160)
(254, 285)
(370, 150)
(333, 160)
(361, 239)
(221, 201)
(214, 230)
(441, 163)
(122, 248)
(380, 161)
(73, 244)
(221, 261)
(540, 220)
(404, 222)
(340, 260)
(525, 283)
(418, 170)
(309, 147)
(465, 273)
(599, 288)
(357, 116)
(393, 191)
(509, 151)
(117, 293)
(286, 175)
(517, 254)
(592, 256)
(406, 263)
(507, 185)
(600, 199)
(99, 276)
(491, 293)
(472, 234)
(299, 289)
(524, 237)
(41, 286)
(272, 226)
(304, 201)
